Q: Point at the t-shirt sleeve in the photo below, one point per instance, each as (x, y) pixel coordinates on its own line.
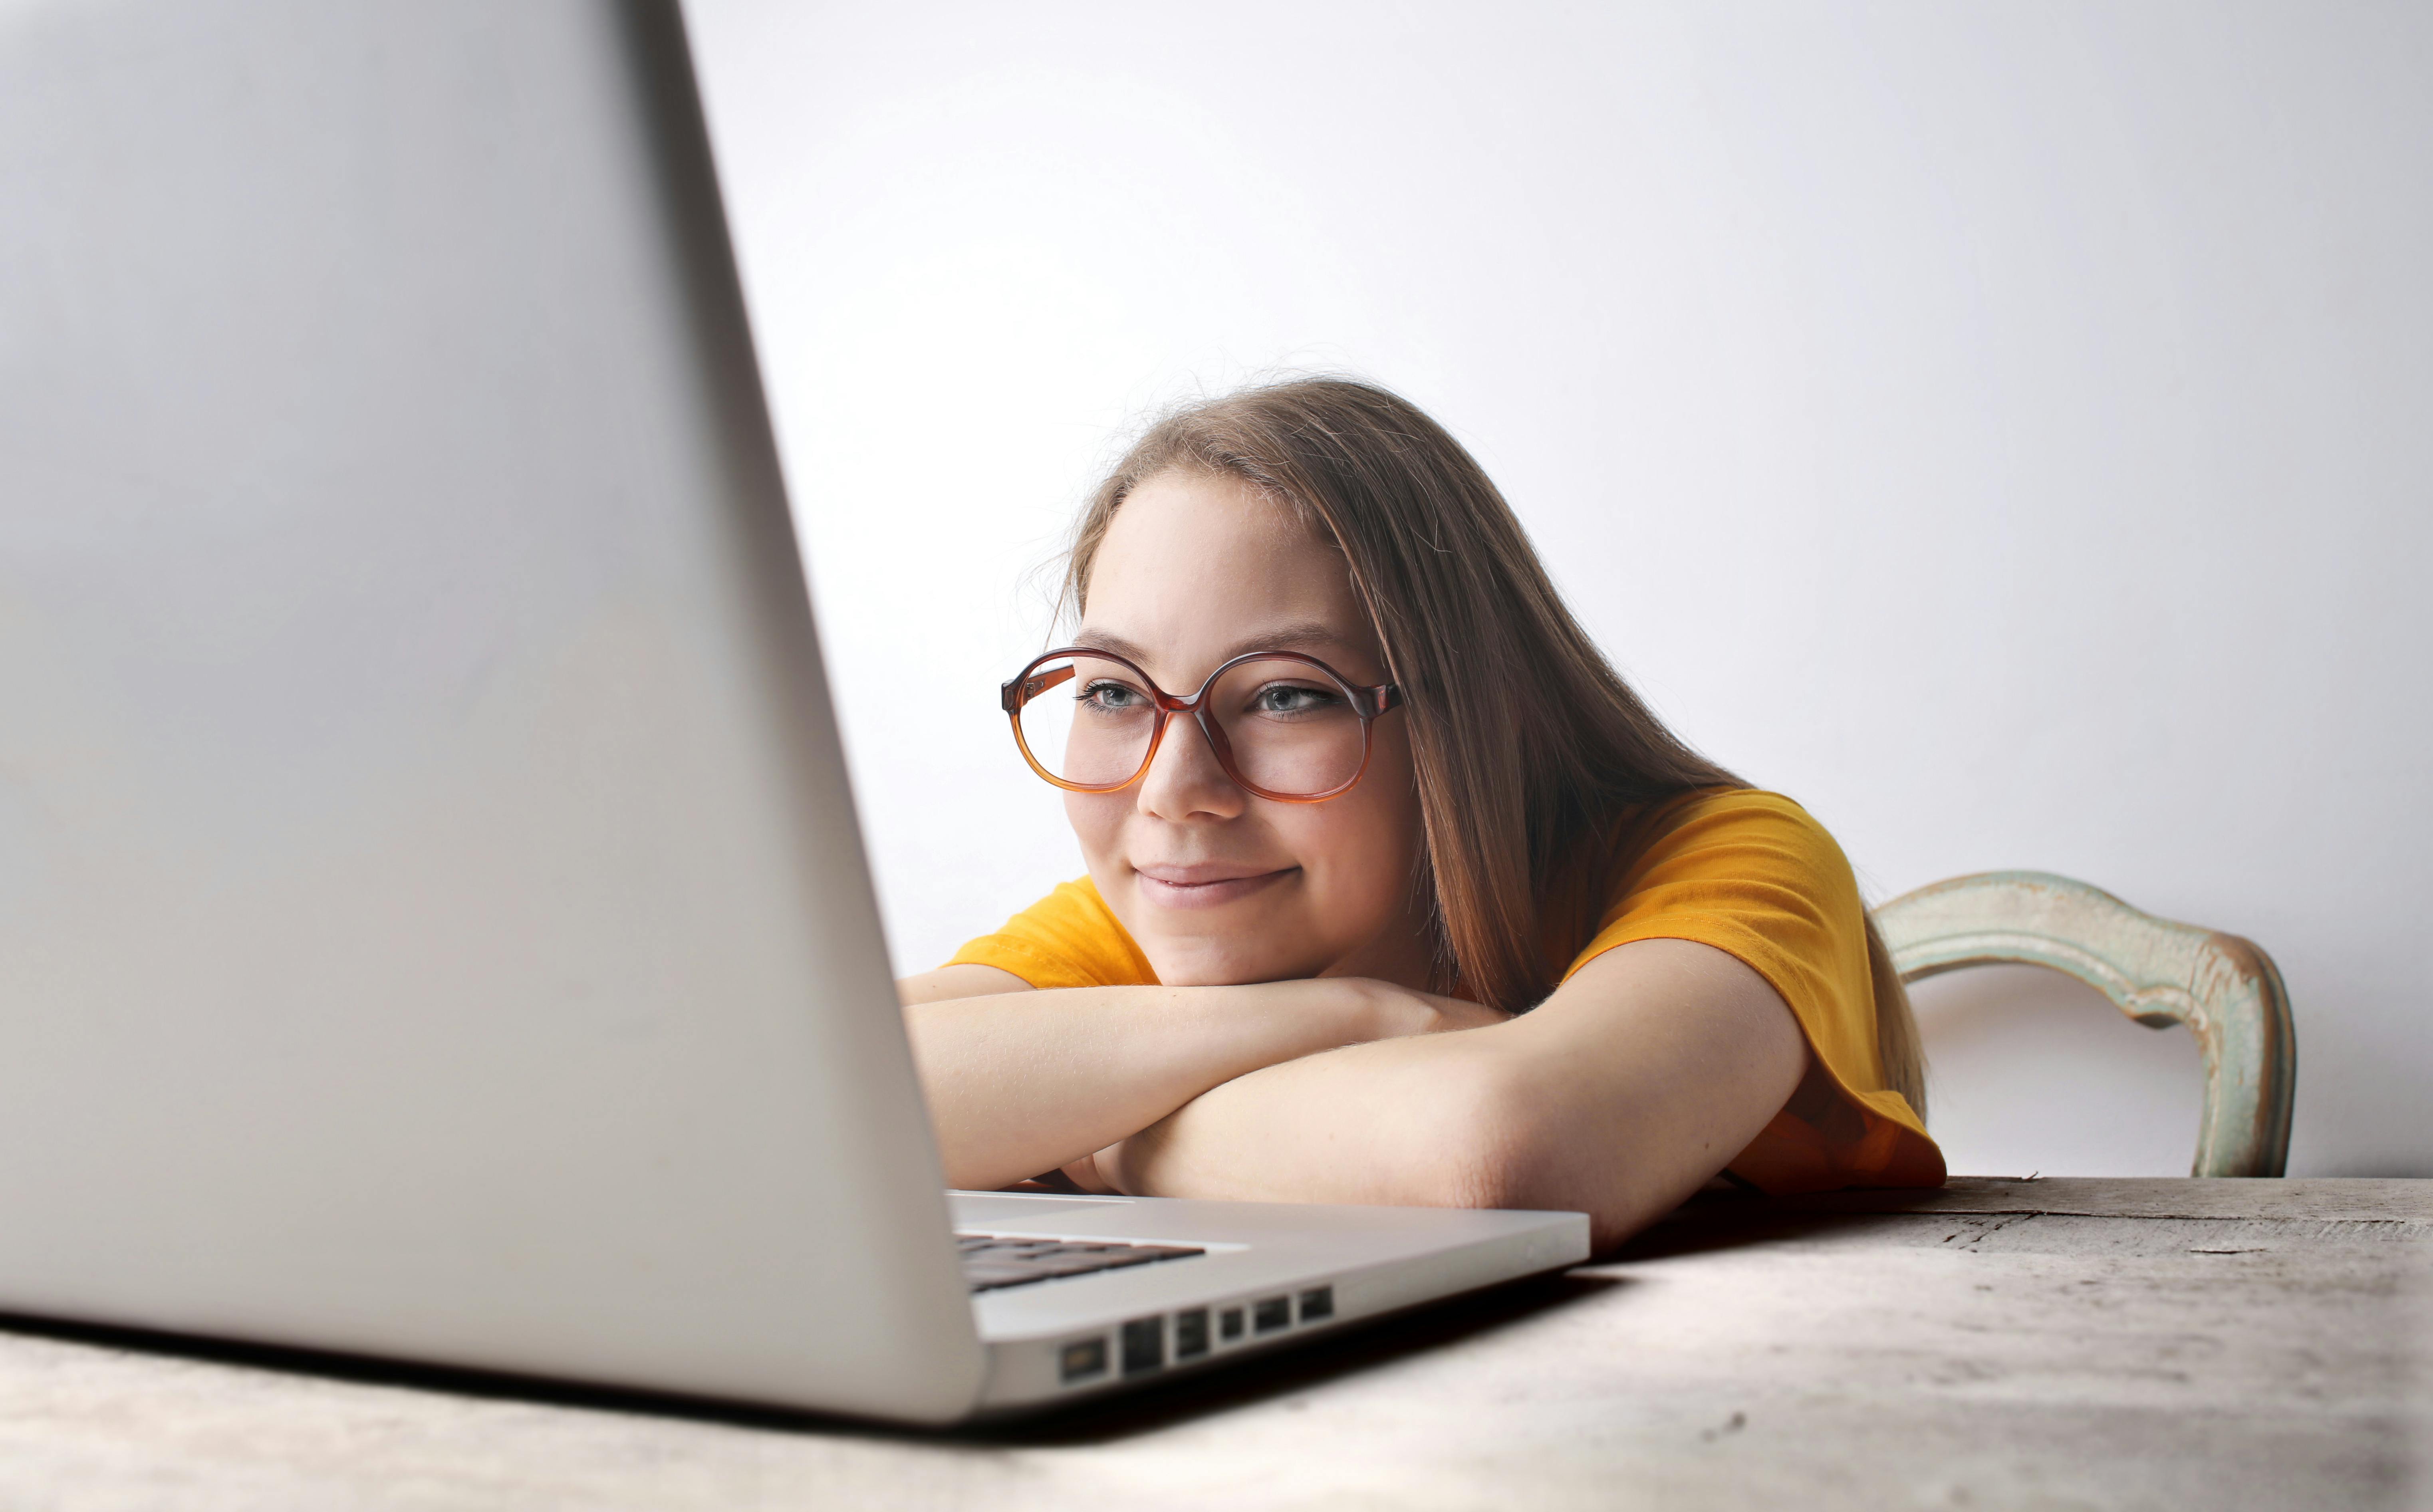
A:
(1753, 876)
(1071, 938)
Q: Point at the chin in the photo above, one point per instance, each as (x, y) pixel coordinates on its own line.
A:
(1197, 964)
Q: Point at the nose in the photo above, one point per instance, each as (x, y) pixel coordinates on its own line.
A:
(1185, 781)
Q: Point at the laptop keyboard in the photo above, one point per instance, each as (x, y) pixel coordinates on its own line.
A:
(993, 1261)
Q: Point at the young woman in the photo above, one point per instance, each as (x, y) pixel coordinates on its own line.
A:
(1396, 891)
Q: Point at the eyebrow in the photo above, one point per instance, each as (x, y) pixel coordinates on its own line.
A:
(1282, 638)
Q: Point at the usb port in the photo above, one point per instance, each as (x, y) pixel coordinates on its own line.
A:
(1143, 1345)
(1081, 1360)
(1191, 1333)
(1269, 1314)
(1317, 1304)
(1229, 1324)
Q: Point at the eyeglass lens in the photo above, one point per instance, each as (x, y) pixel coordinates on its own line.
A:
(1290, 728)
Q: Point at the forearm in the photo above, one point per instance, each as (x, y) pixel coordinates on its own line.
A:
(1024, 1082)
(1617, 1098)
(1408, 1122)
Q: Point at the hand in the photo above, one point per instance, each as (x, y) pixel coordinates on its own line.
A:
(1386, 1010)
(1087, 1173)
(1395, 1011)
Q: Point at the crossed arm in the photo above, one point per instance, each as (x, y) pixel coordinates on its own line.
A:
(1618, 1096)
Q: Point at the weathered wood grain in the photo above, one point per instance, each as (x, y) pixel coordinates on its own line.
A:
(2348, 1200)
(2000, 1343)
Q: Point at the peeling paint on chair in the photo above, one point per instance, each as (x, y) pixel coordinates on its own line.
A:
(2225, 989)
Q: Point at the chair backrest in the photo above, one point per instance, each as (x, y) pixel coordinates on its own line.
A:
(2225, 989)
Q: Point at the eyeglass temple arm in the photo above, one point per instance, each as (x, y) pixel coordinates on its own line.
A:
(1382, 697)
(1021, 691)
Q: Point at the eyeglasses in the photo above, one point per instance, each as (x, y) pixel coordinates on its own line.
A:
(1282, 725)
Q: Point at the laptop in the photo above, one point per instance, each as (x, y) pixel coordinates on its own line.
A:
(432, 919)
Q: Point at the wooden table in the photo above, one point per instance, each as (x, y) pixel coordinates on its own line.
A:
(2175, 1344)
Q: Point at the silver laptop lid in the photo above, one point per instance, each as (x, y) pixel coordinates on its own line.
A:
(432, 916)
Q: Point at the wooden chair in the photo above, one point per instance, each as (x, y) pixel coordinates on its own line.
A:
(2225, 989)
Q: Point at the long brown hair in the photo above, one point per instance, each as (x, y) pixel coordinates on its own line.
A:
(1527, 744)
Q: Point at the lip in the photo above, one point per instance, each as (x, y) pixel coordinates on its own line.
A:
(1206, 885)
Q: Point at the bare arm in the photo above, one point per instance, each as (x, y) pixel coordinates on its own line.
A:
(1619, 1096)
(1021, 1081)
(958, 981)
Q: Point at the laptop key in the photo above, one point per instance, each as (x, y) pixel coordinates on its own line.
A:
(994, 1262)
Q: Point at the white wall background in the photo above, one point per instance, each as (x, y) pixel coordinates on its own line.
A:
(2003, 429)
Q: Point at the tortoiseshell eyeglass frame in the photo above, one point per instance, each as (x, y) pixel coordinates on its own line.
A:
(1371, 702)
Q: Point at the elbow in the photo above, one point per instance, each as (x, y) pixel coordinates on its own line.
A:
(1491, 1141)
(1513, 1139)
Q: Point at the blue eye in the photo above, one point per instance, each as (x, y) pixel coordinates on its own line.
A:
(1111, 697)
(1287, 698)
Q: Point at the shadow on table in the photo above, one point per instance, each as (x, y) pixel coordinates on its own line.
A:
(1731, 1220)
(1243, 1382)
(1701, 1230)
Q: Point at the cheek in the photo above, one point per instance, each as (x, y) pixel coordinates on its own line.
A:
(1391, 787)
(1366, 843)
(1097, 820)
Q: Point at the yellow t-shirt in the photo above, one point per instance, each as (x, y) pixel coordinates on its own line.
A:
(1748, 873)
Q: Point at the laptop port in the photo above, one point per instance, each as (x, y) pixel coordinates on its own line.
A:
(1229, 1324)
(1081, 1360)
(1191, 1333)
(1143, 1345)
(1317, 1304)
(1269, 1314)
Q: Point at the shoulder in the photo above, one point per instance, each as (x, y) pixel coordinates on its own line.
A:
(1071, 938)
(1712, 817)
(1753, 875)
(1723, 835)
(1740, 868)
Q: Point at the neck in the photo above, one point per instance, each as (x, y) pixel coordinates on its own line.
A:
(1402, 953)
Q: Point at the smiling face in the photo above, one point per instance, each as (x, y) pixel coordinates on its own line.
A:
(1217, 885)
